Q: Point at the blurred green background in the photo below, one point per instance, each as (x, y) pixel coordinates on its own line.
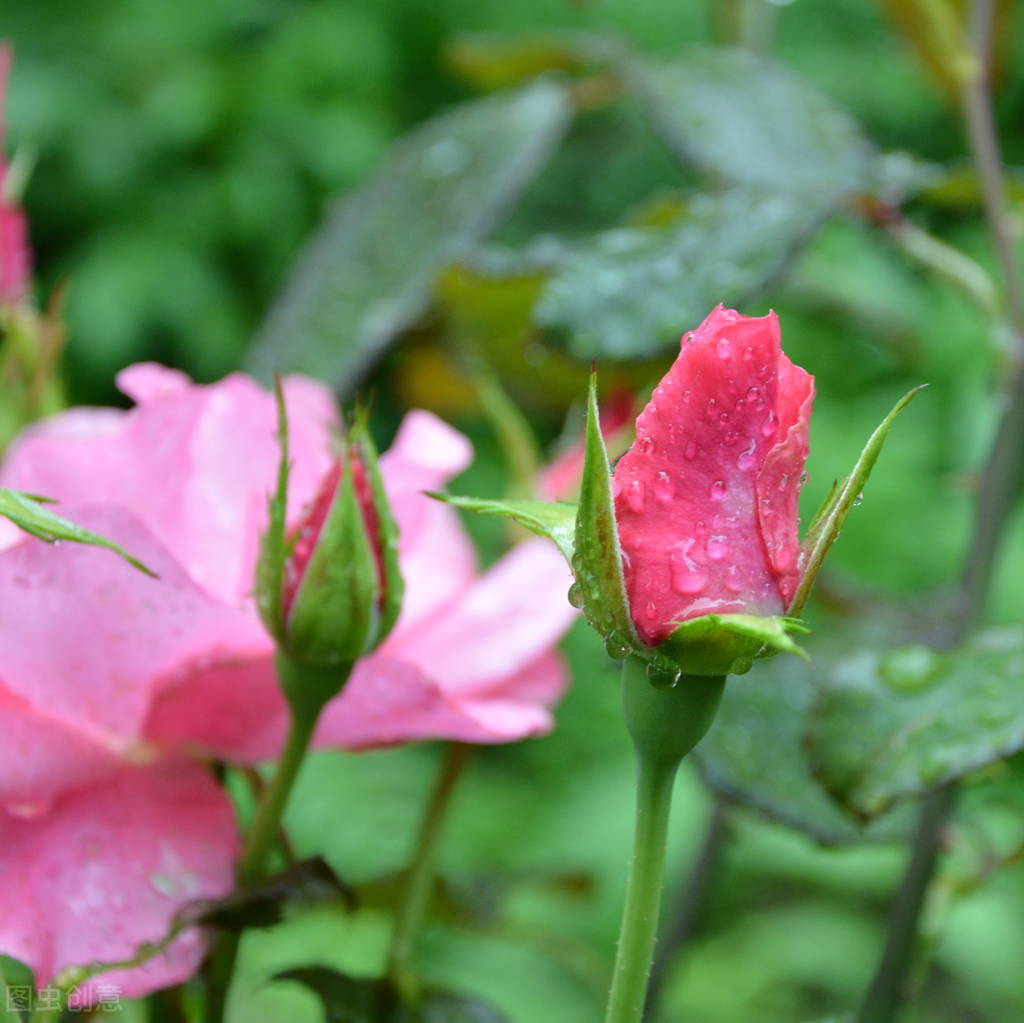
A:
(181, 153)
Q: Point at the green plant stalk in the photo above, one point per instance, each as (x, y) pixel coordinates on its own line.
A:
(996, 498)
(415, 896)
(308, 691)
(664, 724)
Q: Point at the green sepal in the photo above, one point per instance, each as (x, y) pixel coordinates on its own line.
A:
(28, 513)
(828, 521)
(269, 578)
(597, 556)
(387, 532)
(726, 644)
(342, 608)
(555, 520)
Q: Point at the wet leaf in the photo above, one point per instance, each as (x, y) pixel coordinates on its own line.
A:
(29, 512)
(900, 722)
(556, 521)
(630, 293)
(368, 272)
(754, 755)
(747, 120)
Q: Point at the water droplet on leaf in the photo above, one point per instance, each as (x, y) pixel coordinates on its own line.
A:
(575, 595)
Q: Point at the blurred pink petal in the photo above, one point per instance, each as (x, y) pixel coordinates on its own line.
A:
(87, 642)
(109, 867)
(195, 463)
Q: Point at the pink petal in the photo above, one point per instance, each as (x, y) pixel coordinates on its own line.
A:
(388, 702)
(108, 868)
(231, 711)
(687, 492)
(495, 628)
(15, 255)
(195, 463)
(87, 641)
(438, 560)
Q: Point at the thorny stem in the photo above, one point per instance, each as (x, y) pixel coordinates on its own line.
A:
(996, 497)
(415, 897)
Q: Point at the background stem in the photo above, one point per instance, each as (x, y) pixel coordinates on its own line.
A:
(415, 897)
(997, 496)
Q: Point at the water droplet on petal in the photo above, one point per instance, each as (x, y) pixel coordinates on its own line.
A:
(686, 397)
(732, 580)
(723, 348)
(723, 416)
(748, 459)
(635, 495)
(748, 354)
(575, 595)
(663, 489)
(768, 426)
(718, 490)
(645, 444)
(717, 547)
(687, 578)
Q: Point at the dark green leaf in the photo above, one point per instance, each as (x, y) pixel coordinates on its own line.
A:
(555, 521)
(631, 293)
(893, 724)
(747, 120)
(28, 513)
(828, 521)
(368, 272)
(754, 755)
(264, 904)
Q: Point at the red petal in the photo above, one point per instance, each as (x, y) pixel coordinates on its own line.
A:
(724, 429)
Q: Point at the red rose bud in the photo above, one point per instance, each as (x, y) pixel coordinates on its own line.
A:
(332, 591)
(706, 499)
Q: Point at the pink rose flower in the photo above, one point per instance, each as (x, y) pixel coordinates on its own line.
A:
(108, 678)
(706, 498)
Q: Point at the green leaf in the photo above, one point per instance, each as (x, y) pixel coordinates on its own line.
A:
(270, 563)
(27, 512)
(747, 120)
(631, 292)
(897, 723)
(369, 270)
(597, 557)
(844, 496)
(369, 1000)
(754, 753)
(556, 521)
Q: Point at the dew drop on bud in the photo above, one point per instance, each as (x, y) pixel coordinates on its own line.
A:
(617, 645)
(718, 547)
(748, 459)
(748, 354)
(723, 348)
(635, 495)
(858, 500)
(663, 489)
(575, 595)
(768, 426)
(718, 490)
(663, 673)
(687, 578)
(645, 444)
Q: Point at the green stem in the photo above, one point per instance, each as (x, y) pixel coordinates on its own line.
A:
(997, 496)
(415, 897)
(664, 724)
(308, 691)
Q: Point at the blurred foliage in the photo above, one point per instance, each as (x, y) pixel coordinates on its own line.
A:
(183, 155)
